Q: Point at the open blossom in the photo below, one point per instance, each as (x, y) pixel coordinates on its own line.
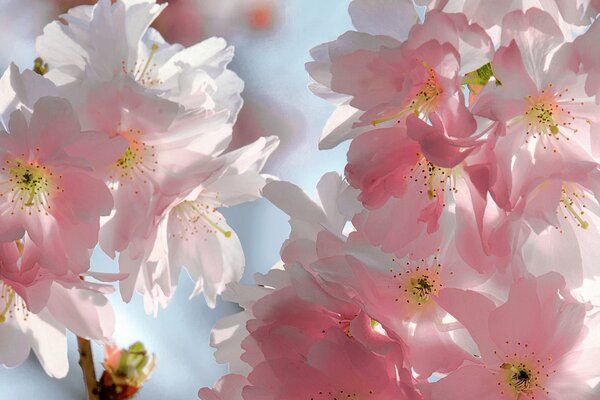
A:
(38, 307)
(400, 294)
(528, 346)
(48, 190)
(408, 190)
(175, 107)
(377, 80)
(365, 374)
(411, 91)
(190, 232)
(538, 164)
(112, 39)
(159, 151)
(173, 159)
(543, 115)
(289, 339)
(489, 13)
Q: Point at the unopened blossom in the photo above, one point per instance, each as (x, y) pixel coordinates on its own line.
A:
(528, 346)
(94, 44)
(125, 371)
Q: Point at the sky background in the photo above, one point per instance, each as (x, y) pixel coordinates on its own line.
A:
(278, 103)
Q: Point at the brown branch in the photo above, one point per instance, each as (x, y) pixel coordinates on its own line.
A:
(86, 361)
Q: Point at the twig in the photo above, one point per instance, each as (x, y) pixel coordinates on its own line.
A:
(86, 361)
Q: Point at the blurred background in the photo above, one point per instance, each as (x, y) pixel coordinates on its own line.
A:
(272, 40)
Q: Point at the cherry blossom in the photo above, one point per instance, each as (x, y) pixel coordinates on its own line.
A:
(46, 184)
(38, 307)
(401, 295)
(190, 232)
(528, 346)
(377, 80)
(110, 40)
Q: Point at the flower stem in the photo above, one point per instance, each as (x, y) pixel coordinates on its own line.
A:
(86, 361)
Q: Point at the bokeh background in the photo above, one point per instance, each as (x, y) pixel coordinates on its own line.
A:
(272, 39)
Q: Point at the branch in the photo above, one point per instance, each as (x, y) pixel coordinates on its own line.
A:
(86, 361)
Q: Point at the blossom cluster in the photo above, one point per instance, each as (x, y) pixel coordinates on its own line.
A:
(458, 256)
(120, 139)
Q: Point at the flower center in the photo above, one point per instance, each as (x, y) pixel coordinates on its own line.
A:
(423, 101)
(433, 180)
(523, 372)
(29, 186)
(520, 378)
(551, 114)
(418, 283)
(194, 218)
(422, 287)
(541, 115)
(137, 158)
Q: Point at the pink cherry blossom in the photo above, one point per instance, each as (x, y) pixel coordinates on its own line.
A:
(379, 81)
(189, 231)
(292, 330)
(543, 114)
(53, 196)
(160, 148)
(401, 295)
(528, 346)
(408, 186)
(335, 366)
(37, 307)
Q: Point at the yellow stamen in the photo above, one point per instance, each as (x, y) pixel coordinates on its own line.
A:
(7, 305)
(152, 52)
(569, 206)
(212, 223)
(378, 121)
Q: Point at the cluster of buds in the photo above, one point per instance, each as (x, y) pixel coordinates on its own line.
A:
(125, 371)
